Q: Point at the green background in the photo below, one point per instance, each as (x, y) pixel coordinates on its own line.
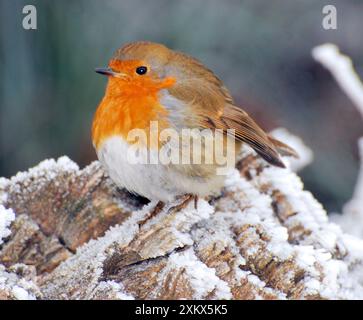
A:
(260, 49)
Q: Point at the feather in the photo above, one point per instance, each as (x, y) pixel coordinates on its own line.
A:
(207, 102)
(212, 106)
(283, 148)
(246, 130)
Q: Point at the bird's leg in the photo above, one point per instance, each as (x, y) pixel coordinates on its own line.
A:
(186, 198)
(158, 208)
(196, 198)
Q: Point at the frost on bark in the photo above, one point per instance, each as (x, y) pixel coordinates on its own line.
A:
(76, 236)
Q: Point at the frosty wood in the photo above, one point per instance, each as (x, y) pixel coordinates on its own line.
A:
(264, 237)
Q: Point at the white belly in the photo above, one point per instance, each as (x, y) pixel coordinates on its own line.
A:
(153, 181)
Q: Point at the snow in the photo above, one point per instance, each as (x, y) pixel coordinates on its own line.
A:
(3, 185)
(324, 236)
(11, 283)
(217, 232)
(257, 210)
(87, 264)
(47, 169)
(202, 278)
(117, 290)
(330, 260)
(319, 244)
(351, 220)
(342, 69)
(17, 287)
(178, 224)
(6, 217)
(43, 173)
(21, 294)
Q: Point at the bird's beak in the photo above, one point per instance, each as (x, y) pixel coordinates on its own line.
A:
(105, 71)
(109, 72)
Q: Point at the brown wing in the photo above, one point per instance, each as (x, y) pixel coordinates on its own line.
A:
(246, 130)
(214, 108)
(283, 148)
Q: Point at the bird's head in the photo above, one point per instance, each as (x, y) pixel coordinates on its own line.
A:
(140, 67)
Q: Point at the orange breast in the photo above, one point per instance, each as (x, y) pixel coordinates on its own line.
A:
(117, 115)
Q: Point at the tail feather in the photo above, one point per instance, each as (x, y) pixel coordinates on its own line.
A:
(283, 148)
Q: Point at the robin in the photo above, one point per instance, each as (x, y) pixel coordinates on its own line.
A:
(148, 83)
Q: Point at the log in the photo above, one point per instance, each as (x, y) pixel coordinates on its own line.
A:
(75, 235)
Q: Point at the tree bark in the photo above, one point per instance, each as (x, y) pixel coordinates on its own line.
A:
(77, 236)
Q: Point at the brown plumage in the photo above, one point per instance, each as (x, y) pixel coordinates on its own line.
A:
(212, 106)
(178, 92)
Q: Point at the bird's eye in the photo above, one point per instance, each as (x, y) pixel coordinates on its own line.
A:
(141, 70)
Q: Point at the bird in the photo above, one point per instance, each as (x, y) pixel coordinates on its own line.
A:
(149, 82)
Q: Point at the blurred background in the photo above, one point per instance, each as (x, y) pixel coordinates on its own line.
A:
(260, 49)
